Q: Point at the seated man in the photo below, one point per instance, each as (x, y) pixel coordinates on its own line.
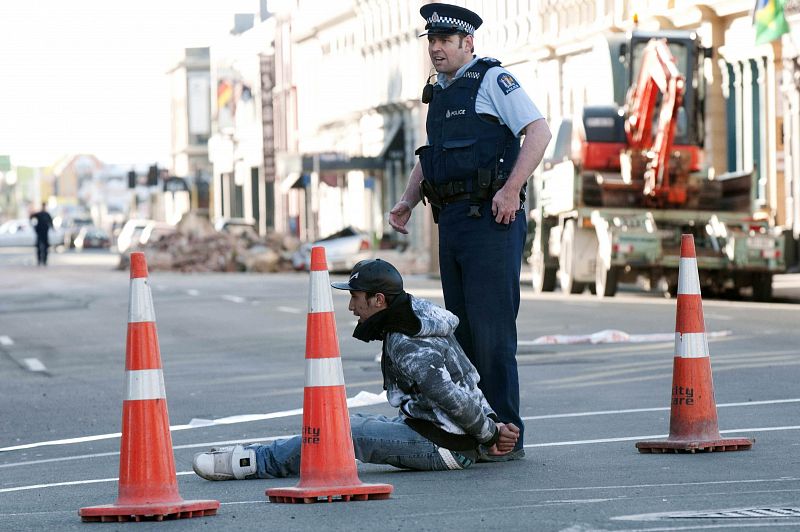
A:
(445, 421)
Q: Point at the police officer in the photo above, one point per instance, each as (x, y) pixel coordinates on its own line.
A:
(473, 172)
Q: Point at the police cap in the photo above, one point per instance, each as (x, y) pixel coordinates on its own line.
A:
(447, 19)
(373, 275)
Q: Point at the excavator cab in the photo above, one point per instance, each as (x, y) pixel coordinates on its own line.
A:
(688, 54)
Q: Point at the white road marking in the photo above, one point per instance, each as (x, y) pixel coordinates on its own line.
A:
(72, 512)
(289, 310)
(362, 398)
(721, 317)
(739, 525)
(636, 410)
(34, 364)
(234, 299)
(652, 437)
(193, 292)
(365, 399)
(720, 363)
(272, 438)
(202, 445)
(530, 445)
(72, 483)
(6, 341)
(666, 484)
(699, 514)
(576, 528)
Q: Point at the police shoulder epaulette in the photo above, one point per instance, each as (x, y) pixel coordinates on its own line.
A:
(491, 61)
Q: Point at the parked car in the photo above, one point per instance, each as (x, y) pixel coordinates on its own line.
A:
(155, 230)
(139, 232)
(20, 232)
(343, 250)
(130, 234)
(91, 237)
(237, 226)
(71, 228)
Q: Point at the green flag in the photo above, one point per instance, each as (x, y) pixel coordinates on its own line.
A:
(769, 21)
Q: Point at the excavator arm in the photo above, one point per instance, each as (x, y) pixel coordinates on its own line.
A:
(658, 75)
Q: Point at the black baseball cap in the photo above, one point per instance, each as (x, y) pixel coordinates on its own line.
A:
(447, 19)
(373, 275)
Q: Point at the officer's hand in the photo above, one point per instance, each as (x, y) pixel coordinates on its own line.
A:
(505, 205)
(399, 216)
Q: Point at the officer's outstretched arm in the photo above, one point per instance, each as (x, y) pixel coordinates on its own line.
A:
(401, 212)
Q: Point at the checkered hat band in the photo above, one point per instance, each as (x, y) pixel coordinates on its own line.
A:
(450, 21)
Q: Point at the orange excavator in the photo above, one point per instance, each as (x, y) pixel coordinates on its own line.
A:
(644, 165)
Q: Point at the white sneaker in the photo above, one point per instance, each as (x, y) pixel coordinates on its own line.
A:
(226, 463)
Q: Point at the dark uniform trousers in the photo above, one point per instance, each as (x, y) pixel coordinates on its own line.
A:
(480, 267)
(479, 258)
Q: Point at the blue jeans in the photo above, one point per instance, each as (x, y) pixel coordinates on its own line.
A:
(479, 261)
(376, 440)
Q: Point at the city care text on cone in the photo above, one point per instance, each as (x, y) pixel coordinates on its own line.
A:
(693, 413)
(327, 458)
(148, 485)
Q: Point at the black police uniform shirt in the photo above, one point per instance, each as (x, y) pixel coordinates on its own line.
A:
(460, 140)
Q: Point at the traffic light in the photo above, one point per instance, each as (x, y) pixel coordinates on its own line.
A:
(152, 176)
(131, 179)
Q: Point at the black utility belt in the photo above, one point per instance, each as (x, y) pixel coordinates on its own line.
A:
(476, 190)
(446, 200)
(453, 188)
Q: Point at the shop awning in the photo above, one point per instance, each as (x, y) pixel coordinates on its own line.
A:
(340, 161)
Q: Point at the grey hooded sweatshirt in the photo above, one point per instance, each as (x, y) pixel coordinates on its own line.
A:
(429, 377)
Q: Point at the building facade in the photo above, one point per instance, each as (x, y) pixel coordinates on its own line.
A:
(190, 87)
(333, 140)
(242, 164)
(790, 96)
(347, 89)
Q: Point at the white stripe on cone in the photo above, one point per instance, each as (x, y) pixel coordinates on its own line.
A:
(691, 345)
(324, 372)
(688, 281)
(140, 306)
(320, 298)
(144, 384)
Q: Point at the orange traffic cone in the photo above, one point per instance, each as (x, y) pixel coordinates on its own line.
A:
(327, 459)
(693, 414)
(148, 486)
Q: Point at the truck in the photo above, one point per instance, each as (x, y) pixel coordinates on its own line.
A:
(623, 181)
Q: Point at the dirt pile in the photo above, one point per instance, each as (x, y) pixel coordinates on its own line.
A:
(195, 246)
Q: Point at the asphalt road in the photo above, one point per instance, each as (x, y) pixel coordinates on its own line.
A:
(232, 345)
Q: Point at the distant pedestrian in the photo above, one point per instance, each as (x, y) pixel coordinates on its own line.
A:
(42, 223)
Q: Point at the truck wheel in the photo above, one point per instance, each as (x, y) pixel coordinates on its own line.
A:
(566, 262)
(544, 278)
(762, 286)
(606, 280)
